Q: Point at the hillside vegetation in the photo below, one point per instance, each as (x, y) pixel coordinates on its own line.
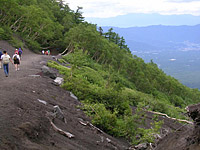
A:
(98, 68)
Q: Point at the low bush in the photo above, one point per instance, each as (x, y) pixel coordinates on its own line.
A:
(5, 33)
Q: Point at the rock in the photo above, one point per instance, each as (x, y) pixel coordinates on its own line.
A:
(142, 146)
(131, 148)
(194, 113)
(45, 68)
(48, 72)
(41, 101)
(108, 140)
(59, 80)
(59, 114)
(34, 76)
(73, 96)
(54, 57)
(43, 63)
(59, 56)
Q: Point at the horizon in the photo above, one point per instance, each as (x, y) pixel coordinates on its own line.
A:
(144, 20)
(149, 26)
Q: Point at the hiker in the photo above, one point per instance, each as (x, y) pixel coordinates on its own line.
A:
(0, 59)
(5, 60)
(48, 52)
(20, 53)
(16, 59)
(42, 52)
(16, 51)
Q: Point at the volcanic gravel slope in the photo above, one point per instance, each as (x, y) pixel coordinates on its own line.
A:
(25, 124)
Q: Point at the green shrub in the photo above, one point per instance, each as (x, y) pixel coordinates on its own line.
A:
(177, 101)
(5, 33)
(92, 76)
(148, 135)
(15, 42)
(78, 86)
(78, 58)
(62, 61)
(102, 117)
(126, 126)
(2, 32)
(159, 106)
(33, 45)
(62, 69)
(108, 95)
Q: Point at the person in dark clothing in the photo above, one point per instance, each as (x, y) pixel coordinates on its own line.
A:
(16, 59)
(0, 59)
(20, 52)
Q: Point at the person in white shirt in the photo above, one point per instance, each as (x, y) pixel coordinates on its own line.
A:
(5, 60)
(16, 59)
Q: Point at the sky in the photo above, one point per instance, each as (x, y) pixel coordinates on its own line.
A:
(113, 8)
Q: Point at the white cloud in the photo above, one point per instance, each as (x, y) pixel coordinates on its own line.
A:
(112, 8)
(181, 0)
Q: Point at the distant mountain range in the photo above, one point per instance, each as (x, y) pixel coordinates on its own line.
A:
(159, 37)
(175, 49)
(139, 19)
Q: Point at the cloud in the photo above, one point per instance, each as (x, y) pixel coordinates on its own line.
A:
(112, 8)
(181, 1)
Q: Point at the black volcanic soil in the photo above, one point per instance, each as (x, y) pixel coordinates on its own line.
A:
(24, 123)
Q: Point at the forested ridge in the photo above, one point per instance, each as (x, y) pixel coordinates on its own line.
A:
(99, 68)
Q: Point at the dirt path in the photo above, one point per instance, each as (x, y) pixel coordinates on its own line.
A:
(23, 121)
(15, 92)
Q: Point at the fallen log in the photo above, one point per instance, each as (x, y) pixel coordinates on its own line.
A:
(59, 114)
(165, 115)
(91, 125)
(108, 140)
(66, 49)
(67, 134)
(85, 124)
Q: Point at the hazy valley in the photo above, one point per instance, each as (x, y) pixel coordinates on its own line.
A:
(175, 49)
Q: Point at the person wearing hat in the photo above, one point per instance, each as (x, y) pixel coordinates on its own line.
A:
(16, 59)
(16, 51)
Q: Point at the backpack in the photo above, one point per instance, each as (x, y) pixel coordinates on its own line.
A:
(20, 52)
(5, 59)
(15, 58)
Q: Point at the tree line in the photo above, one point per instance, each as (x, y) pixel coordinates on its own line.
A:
(145, 77)
(43, 23)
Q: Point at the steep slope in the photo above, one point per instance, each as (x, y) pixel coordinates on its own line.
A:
(185, 137)
(24, 121)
